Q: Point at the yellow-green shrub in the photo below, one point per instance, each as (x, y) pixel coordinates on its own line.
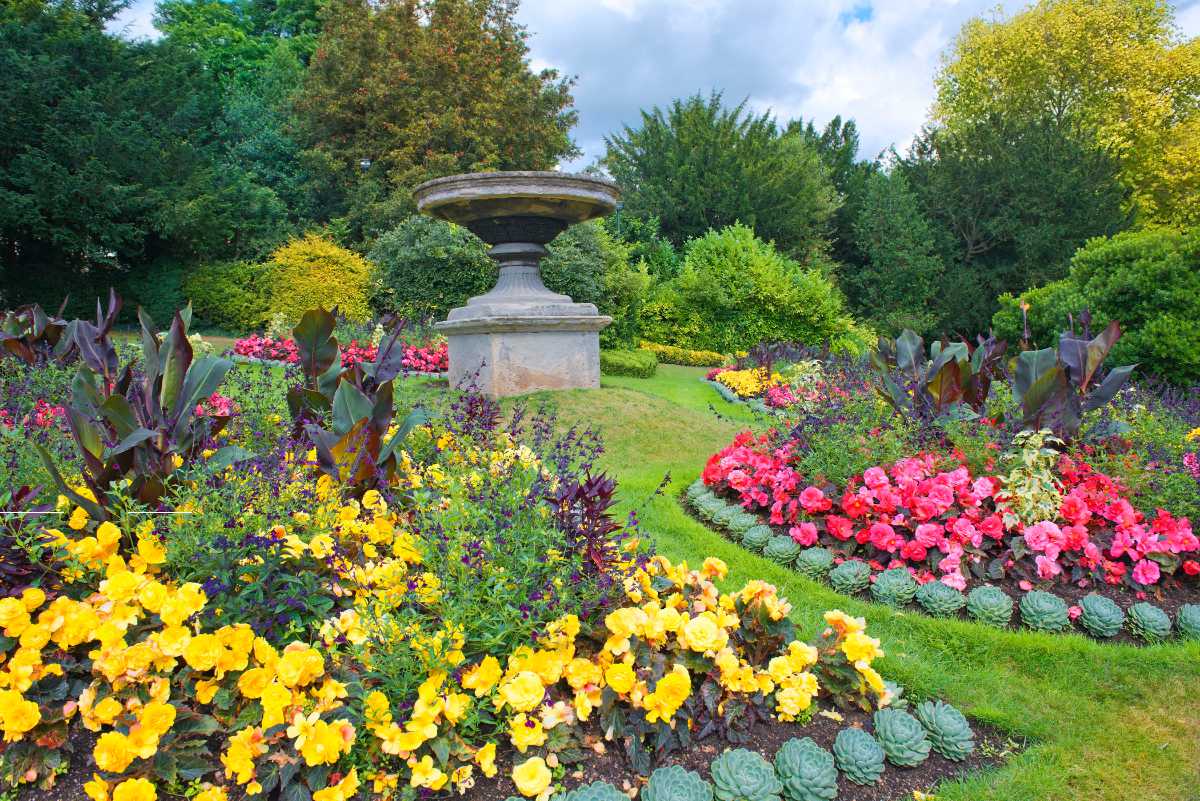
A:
(311, 271)
(669, 354)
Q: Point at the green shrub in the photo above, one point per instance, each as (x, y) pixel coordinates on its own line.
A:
(592, 266)
(669, 354)
(1049, 307)
(735, 290)
(231, 295)
(310, 272)
(157, 288)
(425, 267)
(636, 363)
(1149, 280)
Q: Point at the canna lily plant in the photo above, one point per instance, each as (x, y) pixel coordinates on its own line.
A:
(140, 425)
(32, 336)
(954, 380)
(1055, 387)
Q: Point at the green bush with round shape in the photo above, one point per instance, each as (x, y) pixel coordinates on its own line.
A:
(948, 730)
(850, 577)
(1100, 616)
(676, 783)
(1187, 620)
(1044, 611)
(902, 737)
(596, 791)
(632, 363)
(233, 295)
(895, 587)
(742, 522)
(806, 771)
(782, 550)
(858, 756)
(757, 538)
(990, 605)
(940, 600)
(1147, 621)
(815, 562)
(741, 775)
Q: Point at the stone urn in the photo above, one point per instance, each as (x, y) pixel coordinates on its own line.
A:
(521, 337)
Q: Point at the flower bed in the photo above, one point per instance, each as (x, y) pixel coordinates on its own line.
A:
(372, 604)
(927, 519)
(782, 377)
(431, 358)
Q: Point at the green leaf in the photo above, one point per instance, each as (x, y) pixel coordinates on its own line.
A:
(135, 438)
(349, 406)
(1031, 365)
(227, 456)
(175, 365)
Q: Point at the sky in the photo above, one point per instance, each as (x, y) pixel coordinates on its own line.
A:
(870, 60)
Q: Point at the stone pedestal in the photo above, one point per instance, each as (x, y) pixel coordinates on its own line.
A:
(521, 337)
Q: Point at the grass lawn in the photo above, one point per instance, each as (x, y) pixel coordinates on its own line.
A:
(1100, 721)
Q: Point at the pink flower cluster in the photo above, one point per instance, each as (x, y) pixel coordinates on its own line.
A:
(215, 405)
(433, 358)
(427, 358)
(46, 415)
(929, 514)
(257, 346)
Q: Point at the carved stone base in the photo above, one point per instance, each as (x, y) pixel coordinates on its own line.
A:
(502, 356)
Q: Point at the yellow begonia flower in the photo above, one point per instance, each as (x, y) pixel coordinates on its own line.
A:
(344, 790)
(669, 694)
(135, 790)
(112, 752)
(485, 758)
(212, 794)
(96, 789)
(843, 623)
(424, 774)
(523, 691)
(620, 677)
(858, 647)
(531, 777)
(17, 715)
(703, 633)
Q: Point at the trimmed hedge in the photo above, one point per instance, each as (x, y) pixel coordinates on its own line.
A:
(636, 363)
(669, 354)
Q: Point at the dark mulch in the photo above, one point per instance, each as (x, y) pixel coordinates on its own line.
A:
(608, 764)
(1169, 595)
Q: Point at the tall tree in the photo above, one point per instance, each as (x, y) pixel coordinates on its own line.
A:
(414, 89)
(699, 165)
(1111, 73)
(1010, 203)
(838, 144)
(897, 286)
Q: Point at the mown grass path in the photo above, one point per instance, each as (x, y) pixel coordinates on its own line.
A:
(1100, 721)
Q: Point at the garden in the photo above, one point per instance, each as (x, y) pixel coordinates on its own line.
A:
(889, 490)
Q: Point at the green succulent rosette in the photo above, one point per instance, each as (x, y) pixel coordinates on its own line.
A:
(1187, 620)
(1148, 622)
(949, 732)
(676, 783)
(990, 605)
(895, 587)
(1044, 611)
(940, 600)
(781, 550)
(806, 770)
(741, 775)
(596, 791)
(858, 756)
(815, 563)
(850, 577)
(742, 522)
(757, 538)
(902, 737)
(1100, 616)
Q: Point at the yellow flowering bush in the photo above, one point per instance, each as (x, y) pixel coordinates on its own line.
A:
(749, 383)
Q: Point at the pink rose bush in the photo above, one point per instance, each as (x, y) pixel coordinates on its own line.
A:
(928, 514)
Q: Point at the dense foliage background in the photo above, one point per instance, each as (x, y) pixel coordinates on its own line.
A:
(176, 169)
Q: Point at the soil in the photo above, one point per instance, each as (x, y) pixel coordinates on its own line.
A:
(1169, 595)
(608, 764)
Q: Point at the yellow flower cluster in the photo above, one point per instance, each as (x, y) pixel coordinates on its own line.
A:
(749, 383)
(1192, 435)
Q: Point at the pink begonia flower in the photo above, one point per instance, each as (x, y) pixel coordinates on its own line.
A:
(983, 487)
(1036, 537)
(804, 534)
(955, 580)
(1075, 510)
(1146, 572)
(875, 477)
(1047, 568)
(913, 551)
(813, 500)
(1025, 585)
(930, 535)
(1074, 612)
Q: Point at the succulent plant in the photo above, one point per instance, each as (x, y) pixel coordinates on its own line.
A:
(741, 775)
(806, 770)
(757, 538)
(723, 517)
(1101, 617)
(940, 600)
(696, 489)
(815, 563)
(596, 791)
(1187, 620)
(676, 783)
(948, 730)
(781, 550)
(858, 756)
(990, 605)
(1044, 611)
(895, 587)
(708, 507)
(902, 737)
(1149, 622)
(742, 522)
(851, 576)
